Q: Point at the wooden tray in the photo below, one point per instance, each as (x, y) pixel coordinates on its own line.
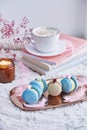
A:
(47, 101)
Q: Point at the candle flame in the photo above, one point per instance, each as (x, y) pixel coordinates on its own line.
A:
(4, 62)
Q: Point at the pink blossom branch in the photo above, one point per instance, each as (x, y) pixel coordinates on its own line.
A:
(8, 30)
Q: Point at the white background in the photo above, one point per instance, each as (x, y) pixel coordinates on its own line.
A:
(85, 24)
(67, 15)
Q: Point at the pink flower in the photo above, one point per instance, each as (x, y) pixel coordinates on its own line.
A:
(25, 20)
(19, 34)
(7, 29)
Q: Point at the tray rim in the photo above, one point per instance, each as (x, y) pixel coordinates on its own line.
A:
(18, 104)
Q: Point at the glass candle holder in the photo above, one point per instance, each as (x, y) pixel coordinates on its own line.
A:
(7, 70)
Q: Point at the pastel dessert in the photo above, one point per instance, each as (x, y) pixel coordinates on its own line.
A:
(73, 84)
(33, 94)
(38, 90)
(40, 82)
(69, 84)
(75, 81)
(54, 88)
(30, 96)
(66, 85)
(45, 85)
(36, 83)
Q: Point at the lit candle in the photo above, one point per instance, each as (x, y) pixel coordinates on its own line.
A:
(5, 64)
(7, 70)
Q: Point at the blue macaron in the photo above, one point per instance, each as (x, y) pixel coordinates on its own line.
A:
(66, 85)
(39, 91)
(30, 96)
(36, 83)
(75, 81)
(45, 85)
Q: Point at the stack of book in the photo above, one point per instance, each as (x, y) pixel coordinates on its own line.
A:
(75, 53)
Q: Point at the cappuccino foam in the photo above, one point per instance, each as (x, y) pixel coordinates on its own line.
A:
(45, 32)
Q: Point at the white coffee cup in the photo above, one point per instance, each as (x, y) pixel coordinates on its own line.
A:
(46, 39)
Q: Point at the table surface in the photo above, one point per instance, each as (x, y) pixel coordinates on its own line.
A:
(64, 118)
(11, 117)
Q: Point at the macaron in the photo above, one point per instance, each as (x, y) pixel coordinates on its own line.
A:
(39, 91)
(40, 82)
(75, 81)
(30, 96)
(54, 88)
(73, 85)
(45, 85)
(66, 85)
(36, 83)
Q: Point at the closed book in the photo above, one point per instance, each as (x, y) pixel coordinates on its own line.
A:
(77, 58)
(71, 62)
(34, 67)
(43, 64)
(75, 46)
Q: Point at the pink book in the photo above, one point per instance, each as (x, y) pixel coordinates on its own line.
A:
(43, 64)
(73, 45)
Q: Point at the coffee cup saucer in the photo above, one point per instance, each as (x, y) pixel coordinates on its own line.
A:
(62, 46)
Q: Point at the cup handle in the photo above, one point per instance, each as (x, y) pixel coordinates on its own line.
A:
(33, 42)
